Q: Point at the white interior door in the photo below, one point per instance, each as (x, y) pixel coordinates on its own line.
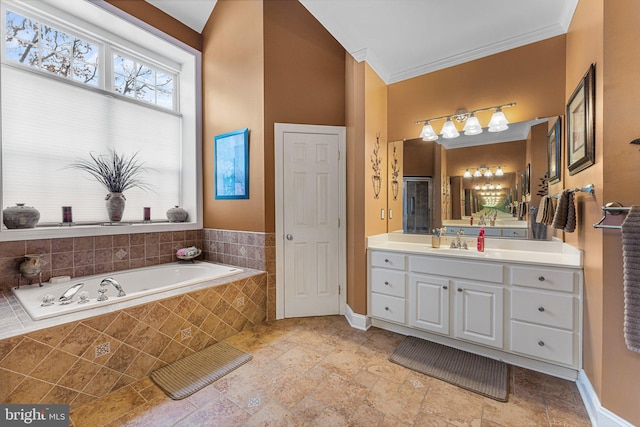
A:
(310, 255)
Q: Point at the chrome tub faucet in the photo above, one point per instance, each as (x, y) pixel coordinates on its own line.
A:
(103, 288)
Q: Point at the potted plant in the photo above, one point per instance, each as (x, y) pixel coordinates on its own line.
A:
(117, 173)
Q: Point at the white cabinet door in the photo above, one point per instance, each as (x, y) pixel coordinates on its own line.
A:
(479, 313)
(429, 303)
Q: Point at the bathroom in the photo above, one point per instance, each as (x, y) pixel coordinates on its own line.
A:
(227, 226)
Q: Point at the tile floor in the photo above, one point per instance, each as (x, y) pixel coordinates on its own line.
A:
(320, 372)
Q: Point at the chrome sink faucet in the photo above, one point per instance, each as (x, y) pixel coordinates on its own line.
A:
(459, 243)
(103, 288)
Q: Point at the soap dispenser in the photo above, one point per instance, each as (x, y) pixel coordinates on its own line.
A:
(481, 240)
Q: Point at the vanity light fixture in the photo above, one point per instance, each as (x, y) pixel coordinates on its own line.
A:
(477, 173)
(466, 174)
(499, 187)
(472, 125)
(482, 171)
(477, 187)
(499, 171)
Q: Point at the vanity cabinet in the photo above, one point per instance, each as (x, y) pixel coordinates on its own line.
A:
(524, 313)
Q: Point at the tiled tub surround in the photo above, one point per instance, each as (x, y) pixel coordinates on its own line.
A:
(85, 256)
(83, 360)
(245, 249)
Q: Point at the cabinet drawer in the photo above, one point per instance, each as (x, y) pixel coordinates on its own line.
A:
(544, 278)
(514, 232)
(487, 272)
(389, 282)
(542, 342)
(388, 308)
(387, 260)
(543, 308)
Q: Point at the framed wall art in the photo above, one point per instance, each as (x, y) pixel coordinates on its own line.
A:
(231, 165)
(554, 143)
(581, 142)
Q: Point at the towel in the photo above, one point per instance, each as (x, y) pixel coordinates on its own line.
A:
(546, 211)
(562, 211)
(631, 264)
(570, 226)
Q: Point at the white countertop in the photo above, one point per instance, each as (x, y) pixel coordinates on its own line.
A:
(551, 253)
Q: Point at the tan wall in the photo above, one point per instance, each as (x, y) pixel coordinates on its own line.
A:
(419, 157)
(532, 76)
(358, 166)
(509, 155)
(621, 367)
(157, 18)
(304, 80)
(537, 158)
(375, 125)
(584, 46)
(233, 98)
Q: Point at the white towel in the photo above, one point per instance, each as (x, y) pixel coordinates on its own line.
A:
(631, 262)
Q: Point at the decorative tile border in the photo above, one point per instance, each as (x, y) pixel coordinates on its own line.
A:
(78, 362)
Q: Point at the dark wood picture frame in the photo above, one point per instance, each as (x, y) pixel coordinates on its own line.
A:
(580, 119)
(231, 165)
(554, 153)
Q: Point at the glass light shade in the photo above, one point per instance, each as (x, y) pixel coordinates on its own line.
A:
(484, 187)
(498, 122)
(477, 173)
(449, 130)
(466, 174)
(427, 133)
(472, 126)
(491, 187)
(499, 172)
(477, 187)
(499, 186)
(488, 173)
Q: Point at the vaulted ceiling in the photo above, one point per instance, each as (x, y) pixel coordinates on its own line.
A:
(401, 39)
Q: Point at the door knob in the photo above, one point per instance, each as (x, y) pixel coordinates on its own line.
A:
(289, 236)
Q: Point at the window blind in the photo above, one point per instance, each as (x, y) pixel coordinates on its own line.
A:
(48, 124)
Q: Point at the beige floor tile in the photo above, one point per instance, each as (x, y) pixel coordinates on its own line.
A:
(321, 372)
(273, 414)
(515, 412)
(340, 394)
(453, 404)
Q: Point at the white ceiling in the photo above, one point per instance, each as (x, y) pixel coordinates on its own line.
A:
(401, 39)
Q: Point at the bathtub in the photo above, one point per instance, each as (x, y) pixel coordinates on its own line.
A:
(136, 283)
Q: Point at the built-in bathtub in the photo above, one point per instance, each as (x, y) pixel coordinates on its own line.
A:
(136, 283)
(118, 342)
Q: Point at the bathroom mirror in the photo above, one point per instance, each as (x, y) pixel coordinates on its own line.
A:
(513, 151)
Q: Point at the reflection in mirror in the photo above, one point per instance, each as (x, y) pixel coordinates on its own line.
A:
(504, 205)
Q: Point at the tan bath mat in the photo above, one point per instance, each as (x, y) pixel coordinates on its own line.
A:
(184, 377)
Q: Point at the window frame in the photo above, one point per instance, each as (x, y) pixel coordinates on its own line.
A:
(99, 15)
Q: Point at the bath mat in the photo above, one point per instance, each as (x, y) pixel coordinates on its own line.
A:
(472, 372)
(184, 377)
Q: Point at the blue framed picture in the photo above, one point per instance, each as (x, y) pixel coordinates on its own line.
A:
(231, 165)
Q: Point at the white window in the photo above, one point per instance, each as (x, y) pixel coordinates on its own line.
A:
(71, 87)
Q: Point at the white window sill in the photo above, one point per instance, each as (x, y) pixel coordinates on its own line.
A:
(7, 235)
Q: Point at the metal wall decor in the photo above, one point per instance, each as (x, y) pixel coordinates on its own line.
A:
(376, 160)
(395, 171)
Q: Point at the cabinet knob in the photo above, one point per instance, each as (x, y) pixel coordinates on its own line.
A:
(541, 278)
(386, 283)
(386, 260)
(445, 287)
(541, 343)
(459, 289)
(386, 308)
(540, 309)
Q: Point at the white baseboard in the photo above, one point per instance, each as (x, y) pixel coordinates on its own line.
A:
(600, 416)
(356, 320)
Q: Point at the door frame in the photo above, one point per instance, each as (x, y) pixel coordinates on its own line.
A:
(279, 130)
